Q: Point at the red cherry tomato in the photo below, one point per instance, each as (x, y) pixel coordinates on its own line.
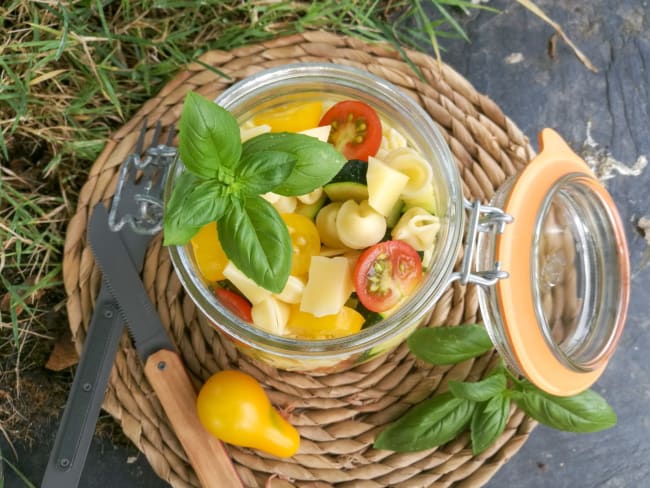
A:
(235, 303)
(385, 273)
(356, 129)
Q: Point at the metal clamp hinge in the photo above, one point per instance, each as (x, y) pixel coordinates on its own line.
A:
(482, 218)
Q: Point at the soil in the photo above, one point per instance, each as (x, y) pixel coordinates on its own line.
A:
(31, 396)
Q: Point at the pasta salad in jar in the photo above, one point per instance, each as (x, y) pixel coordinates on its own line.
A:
(359, 242)
(314, 215)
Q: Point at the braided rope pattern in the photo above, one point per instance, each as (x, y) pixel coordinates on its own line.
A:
(338, 415)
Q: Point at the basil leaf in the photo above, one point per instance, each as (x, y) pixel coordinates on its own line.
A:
(261, 172)
(205, 203)
(585, 412)
(256, 240)
(208, 137)
(428, 424)
(488, 422)
(479, 391)
(316, 161)
(176, 230)
(449, 345)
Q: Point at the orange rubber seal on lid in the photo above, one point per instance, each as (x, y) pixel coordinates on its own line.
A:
(513, 250)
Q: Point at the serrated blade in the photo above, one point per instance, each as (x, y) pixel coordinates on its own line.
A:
(125, 285)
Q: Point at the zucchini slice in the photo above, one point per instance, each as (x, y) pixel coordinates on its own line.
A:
(350, 183)
(354, 171)
(346, 190)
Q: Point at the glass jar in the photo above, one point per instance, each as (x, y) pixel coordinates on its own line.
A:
(309, 81)
(558, 317)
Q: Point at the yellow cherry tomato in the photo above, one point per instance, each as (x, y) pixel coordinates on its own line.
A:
(292, 117)
(233, 407)
(304, 325)
(208, 253)
(305, 241)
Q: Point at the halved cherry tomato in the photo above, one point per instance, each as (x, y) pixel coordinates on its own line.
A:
(385, 273)
(235, 303)
(210, 257)
(305, 241)
(292, 117)
(356, 129)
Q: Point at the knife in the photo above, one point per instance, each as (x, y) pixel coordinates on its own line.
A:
(137, 202)
(77, 424)
(163, 366)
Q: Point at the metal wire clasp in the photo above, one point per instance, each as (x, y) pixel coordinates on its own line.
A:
(482, 218)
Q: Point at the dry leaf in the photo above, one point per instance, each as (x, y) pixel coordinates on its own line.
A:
(63, 354)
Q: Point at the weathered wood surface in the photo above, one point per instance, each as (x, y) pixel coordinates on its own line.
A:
(509, 61)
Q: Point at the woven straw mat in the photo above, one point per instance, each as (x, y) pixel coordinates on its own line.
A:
(338, 415)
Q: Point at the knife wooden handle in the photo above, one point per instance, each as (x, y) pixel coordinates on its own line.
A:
(166, 373)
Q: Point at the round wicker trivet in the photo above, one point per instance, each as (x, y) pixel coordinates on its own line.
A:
(338, 415)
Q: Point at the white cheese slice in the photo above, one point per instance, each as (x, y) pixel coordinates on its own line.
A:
(251, 290)
(321, 133)
(293, 290)
(271, 315)
(329, 286)
(385, 185)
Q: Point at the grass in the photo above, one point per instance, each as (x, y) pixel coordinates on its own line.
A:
(71, 72)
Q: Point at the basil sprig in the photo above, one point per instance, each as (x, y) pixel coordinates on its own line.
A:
(483, 406)
(223, 182)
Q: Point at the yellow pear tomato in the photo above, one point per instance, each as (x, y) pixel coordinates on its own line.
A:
(292, 117)
(208, 253)
(307, 326)
(305, 241)
(234, 407)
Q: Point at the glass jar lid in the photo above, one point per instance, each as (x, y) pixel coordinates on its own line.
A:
(559, 315)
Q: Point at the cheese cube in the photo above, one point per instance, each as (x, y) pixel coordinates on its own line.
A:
(329, 286)
(385, 185)
(251, 290)
(292, 292)
(271, 315)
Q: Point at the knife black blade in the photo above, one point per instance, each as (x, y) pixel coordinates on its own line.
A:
(163, 366)
(124, 281)
(77, 425)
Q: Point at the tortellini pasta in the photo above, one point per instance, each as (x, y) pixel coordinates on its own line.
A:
(391, 138)
(281, 203)
(358, 225)
(326, 225)
(418, 228)
(251, 290)
(409, 162)
(311, 197)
